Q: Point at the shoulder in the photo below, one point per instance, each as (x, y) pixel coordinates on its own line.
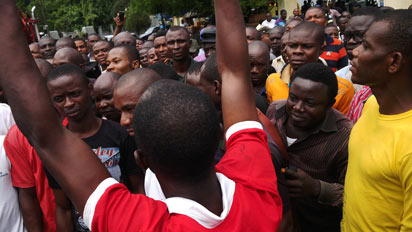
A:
(342, 122)
(273, 78)
(344, 84)
(15, 137)
(112, 126)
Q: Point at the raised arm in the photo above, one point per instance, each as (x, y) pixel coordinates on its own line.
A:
(67, 158)
(238, 102)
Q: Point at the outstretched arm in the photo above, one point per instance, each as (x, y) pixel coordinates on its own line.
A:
(238, 102)
(67, 157)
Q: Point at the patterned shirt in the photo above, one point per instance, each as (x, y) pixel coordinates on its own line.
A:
(335, 54)
(323, 155)
(358, 102)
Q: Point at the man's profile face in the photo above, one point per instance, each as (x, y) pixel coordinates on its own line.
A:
(100, 51)
(71, 96)
(251, 34)
(125, 99)
(369, 63)
(35, 50)
(47, 47)
(355, 31)
(178, 43)
(160, 45)
(209, 48)
(119, 61)
(317, 16)
(307, 103)
(139, 44)
(103, 96)
(81, 46)
(302, 48)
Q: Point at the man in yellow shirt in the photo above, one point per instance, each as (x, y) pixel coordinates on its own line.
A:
(378, 184)
(305, 46)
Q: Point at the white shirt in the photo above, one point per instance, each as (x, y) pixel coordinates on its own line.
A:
(347, 74)
(6, 119)
(268, 24)
(10, 216)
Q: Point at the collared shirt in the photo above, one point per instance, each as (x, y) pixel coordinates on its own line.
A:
(323, 155)
(277, 88)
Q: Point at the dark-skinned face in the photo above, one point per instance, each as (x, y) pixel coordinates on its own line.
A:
(103, 93)
(178, 43)
(71, 96)
(119, 62)
(81, 46)
(100, 52)
(160, 45)
(317, 16)
(47, 48)
(275, 39)
(307, 103)
(371, 59)
(259, 66)
(355, 31)
(302, 48)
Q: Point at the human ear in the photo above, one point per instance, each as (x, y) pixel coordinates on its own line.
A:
(395, 61)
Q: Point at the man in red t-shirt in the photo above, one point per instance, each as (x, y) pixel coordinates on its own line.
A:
(35, 195)
(177, 129)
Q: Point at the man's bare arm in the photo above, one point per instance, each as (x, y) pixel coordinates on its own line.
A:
(30, 209)
(67, 157)
(238, 102)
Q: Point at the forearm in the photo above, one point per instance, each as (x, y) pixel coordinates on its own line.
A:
(64, 219)
(35, 116)
(238, 102)
(30, 209)
(117, 30)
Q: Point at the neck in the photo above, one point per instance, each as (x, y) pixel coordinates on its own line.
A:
(206, 192)
(85, 127)
(181, 66)
(395, 96)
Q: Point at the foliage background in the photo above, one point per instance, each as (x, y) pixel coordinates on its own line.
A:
(70, 15)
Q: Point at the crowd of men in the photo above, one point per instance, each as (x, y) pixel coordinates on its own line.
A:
(299, 124)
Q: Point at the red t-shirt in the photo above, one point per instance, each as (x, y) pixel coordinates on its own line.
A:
(27, 172)
(256, 204)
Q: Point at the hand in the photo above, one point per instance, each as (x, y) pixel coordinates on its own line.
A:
(301, 184)
(118, 21)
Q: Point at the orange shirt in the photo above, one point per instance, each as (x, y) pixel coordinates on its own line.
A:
(277, 88)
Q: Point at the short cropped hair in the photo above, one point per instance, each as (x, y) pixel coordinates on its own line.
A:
(319, 73)
(369, 11)
(311, 26)
(67, 69)
(179, 28)
(178, 130)
(399, 33)
(131, 51)
(160, 33)
(195, 67)
(210, 71)
(165, 71)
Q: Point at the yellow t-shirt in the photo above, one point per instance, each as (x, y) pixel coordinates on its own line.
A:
(378, 184)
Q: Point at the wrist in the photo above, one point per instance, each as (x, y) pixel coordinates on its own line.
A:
(316, 188)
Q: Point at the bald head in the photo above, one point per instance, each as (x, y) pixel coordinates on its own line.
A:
(124, 38)
(148, 45)
(309, 29)
(65, 42)
(252, 34)
(138, 79)
(35, 50)
(259, 49)
(107, 80)
(44, 67)
(68, 56)
(128, 91)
